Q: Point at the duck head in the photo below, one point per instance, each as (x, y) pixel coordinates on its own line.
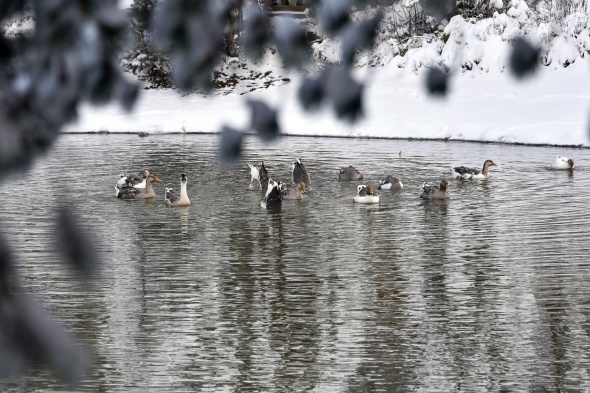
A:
(183, 178)
(570, 162)
(153, 178)
(444, 185)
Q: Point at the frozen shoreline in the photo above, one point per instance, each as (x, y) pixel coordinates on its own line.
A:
(552, 109)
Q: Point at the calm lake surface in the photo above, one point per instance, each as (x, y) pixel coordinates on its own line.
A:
(489, 291)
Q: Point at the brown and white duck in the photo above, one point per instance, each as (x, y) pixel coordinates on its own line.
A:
(432, 192)
(130, 192)
(365, 194)
(258, 174)
(132, 181)
(390, 183)
(292, 192)
(563, 163)
(464, 173)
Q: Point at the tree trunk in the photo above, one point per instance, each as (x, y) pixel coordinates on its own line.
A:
(235, 26)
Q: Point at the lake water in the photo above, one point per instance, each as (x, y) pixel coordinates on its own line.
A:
(488, 291)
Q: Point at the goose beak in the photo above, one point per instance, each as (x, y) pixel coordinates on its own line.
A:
(494, 164)
(157, 179)
(447, 186)
(303, 189)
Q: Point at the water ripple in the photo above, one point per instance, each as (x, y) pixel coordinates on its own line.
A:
(485, 292)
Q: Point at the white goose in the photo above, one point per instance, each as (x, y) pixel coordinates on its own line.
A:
(259, 174)
(366, 195)
(563, 163)
(174, 199)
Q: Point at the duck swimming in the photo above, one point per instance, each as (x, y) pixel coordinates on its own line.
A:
(272, 199)
(174, 199)
(300, 173)
(259, 174)
(464, 173)
(350, 173)
(366, 195)
(292, 192)
(431, 192)
(390, 183)
(136, 193)
(563, 163)
(132, 181)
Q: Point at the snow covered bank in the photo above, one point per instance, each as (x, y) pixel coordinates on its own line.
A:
(551, 108)
(485, 102)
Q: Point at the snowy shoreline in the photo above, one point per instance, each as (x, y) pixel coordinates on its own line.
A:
(485, 103)
(550, 109)
(360, 137)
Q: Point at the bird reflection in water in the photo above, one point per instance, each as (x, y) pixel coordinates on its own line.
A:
(184, 218)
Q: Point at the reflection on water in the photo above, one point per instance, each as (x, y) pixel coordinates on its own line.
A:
(487, 291)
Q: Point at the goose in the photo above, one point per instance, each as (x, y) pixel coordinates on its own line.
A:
(260, 174)
(464, 173)
(136, 193)
(390, 183)
(431, 192)
(174, 199)
(350, 173)
(122, 182)
(365, 194)
(272, 199)
(292, 192)
(563, 163)
(132, 181)
(300, 173)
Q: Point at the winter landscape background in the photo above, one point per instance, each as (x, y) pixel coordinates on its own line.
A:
(486, 290)
(485, 101)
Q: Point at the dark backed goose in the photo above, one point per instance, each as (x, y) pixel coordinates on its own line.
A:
(431, 192)
(136, 193)
(300, 173)
(464, 173)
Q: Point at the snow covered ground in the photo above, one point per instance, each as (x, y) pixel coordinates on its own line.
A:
(485, 103)
(551, 108)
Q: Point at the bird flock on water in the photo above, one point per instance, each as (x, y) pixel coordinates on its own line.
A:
(141, 187)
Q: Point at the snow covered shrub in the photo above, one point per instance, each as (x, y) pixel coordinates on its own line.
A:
(562, 8)
(562, 52)
(479, 8)
(143, 60)
(18, 27)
